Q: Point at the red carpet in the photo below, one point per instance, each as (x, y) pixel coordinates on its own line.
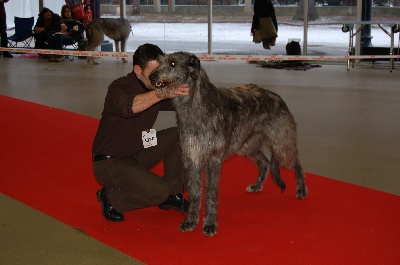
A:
(45, 163)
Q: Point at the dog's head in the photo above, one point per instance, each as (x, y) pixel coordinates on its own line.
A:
(176, 69)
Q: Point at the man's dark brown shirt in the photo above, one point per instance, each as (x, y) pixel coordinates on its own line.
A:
(120, 130)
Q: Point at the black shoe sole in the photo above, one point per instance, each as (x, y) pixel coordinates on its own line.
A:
(98, 195)
(168, 207)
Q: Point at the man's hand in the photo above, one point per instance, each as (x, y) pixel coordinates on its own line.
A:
(143, 101)
(183, 90)
(240, 86)
(172, 91)
(39, 30)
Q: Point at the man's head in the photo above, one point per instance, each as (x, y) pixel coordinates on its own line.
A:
(46, 13)
(145, 60)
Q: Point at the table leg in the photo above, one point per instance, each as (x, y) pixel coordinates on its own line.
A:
(346, 28)
(350, 50)
(394, 29)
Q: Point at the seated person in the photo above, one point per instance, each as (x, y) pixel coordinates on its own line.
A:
(71, 27)
(46, 26)
(70, 33)
(51, 32)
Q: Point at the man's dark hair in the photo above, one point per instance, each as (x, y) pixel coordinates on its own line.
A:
(44, 11)
(145, 53)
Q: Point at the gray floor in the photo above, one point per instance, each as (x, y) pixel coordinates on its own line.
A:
(348, 125)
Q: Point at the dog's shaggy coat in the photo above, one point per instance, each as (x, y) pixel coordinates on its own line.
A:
(215, 123)
(117, 29)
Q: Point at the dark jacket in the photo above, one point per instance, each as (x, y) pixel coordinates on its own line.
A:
(3, 10)
(263, 9)
(75, 27)
(55, 25)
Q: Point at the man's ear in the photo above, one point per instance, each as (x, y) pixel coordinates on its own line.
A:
(194, 61)
(137, 70)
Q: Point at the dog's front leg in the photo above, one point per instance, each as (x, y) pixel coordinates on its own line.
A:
(212, 184)
(194, 186)
(123, 43)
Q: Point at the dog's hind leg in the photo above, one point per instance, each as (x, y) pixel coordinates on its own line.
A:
(301, 189)
(262, 164)
(212, 184)
(194, 186)
(276, 175)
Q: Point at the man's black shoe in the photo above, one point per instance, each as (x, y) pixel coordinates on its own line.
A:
(45, 56)
(175, 202)
(7, 55)
(108, 211)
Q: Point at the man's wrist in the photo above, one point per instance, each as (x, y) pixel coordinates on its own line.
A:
(160, 94)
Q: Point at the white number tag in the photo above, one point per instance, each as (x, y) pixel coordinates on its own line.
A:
(149, 138)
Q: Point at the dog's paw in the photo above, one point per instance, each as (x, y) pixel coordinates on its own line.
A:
(210, 230)
(187, 226)
(301, 192)
(91, 60)
(254, 188)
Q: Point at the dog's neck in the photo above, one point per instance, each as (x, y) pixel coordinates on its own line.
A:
(200, 87)
(201, 83)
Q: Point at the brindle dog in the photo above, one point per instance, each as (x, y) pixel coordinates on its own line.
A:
(215, 123)
(117, 29)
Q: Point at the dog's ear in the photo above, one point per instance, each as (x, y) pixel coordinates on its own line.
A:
(194, 62)
(161, 57)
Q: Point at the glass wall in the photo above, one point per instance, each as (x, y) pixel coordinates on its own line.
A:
(184, 27)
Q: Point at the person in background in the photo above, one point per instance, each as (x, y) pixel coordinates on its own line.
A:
(47, 25)
(3, 29)
(70, 33)
(122, 159)
(74, 28)
(264, 27)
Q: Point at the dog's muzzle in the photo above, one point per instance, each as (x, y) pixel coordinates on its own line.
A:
(160, 84)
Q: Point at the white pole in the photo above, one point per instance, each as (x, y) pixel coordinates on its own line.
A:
(122, 4)
(210, 4)
(305, 27)
(358, 35)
